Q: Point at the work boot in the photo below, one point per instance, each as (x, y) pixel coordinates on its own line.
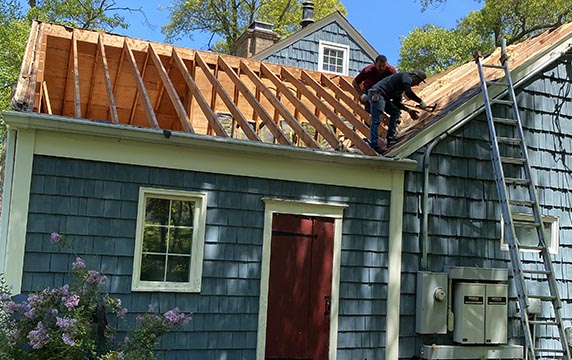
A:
(392, 141)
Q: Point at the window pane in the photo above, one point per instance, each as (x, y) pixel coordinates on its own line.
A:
(527, 235)
(153, 267)
(180, 241)
(178, 268)
(155, 239)
(182, 213)
(157, 212)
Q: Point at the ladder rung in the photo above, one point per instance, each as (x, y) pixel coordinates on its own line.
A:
(506, 121)
(512, 160)
(556, 351)
(527, 203)
(530, 247)
(549, 323)
(540, 272)
(543, 297)
(516, 181)
(503, 102)
(493, 66)
(508, 140)
(497, 83)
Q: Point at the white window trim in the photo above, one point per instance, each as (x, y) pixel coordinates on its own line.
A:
(197, 247)
(554, 240)
(344, 48)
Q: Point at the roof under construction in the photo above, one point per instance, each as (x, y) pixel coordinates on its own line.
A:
(117, 79)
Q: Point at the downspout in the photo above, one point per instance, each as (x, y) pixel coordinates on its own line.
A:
(425, 201)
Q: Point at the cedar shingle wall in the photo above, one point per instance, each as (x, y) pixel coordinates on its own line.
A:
(95, 205)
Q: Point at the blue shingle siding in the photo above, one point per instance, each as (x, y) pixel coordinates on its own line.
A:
(464, 215)
(94, 205)
(304, 52)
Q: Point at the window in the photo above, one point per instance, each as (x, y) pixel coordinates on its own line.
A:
(169, 241)
(527, 236)
(333, 58)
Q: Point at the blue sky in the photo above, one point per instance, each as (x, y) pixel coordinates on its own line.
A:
(381, 22)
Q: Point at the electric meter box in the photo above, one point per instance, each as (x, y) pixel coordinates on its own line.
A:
(431, 303)
(480, 313)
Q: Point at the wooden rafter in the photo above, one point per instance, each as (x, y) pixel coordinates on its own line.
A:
(108, 85)
(25, 88)
(170, 88)
(77, 97)
(136, 97)
(141, 86)
(326, 133)
(280, 108)
(337, 122)
(251, 99)
(217, 86)
(46, 98)
(93, 78)
(342, 95)
(343, 111)
(201, 100)
(119, 68)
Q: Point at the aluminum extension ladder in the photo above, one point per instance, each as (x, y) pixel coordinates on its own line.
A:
(522, 199)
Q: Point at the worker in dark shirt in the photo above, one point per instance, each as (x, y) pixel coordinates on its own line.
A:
(370, 75)
(386, 96)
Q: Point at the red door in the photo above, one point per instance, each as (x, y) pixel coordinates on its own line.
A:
(298, 318)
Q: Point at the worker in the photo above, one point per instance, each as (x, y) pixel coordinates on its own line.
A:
(369, 76)
(386, 95)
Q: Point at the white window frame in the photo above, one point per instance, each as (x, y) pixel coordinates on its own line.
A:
(197, 247)
(550, 222)
(330, 45)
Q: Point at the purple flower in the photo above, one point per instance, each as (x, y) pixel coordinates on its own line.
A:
(121, 313)
(37, 337)
(54, 312)
(30, 313)
(71, 301)
(95, 277)
(4, 297)
(78, 264)
(176, 317)
(55, 238)
(68, 339)
(65, 323)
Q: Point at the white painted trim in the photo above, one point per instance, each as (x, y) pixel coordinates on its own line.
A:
(199, 220)
(10, 148)
(18, 209)
(330, 210)
(394, 267)
(335, 46)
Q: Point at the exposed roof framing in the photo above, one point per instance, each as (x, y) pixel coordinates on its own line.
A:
(112, 78)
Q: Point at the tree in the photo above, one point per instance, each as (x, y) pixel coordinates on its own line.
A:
(225, 20)
(513, 20)
(435, 49)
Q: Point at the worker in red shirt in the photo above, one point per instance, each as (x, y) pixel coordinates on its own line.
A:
(369, 76)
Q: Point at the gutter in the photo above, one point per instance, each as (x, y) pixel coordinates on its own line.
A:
(39, 121)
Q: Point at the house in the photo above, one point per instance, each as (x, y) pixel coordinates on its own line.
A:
(330, 45)
(288, 203)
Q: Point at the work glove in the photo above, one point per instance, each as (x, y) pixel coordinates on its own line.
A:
(363, 98)
(414, 114)
(422, 105)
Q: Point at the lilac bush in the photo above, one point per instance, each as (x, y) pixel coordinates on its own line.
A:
(70, 322)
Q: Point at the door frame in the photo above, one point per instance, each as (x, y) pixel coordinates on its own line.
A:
(309, 208)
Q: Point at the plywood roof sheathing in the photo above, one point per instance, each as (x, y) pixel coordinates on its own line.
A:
(108, 86)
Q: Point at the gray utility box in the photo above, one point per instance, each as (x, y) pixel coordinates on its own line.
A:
(431, 317)
(480, 313)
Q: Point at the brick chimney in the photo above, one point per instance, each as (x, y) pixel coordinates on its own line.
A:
(307, 13)
(257, 37)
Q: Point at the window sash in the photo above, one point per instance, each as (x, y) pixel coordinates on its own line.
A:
(333, 58)
(527, 235)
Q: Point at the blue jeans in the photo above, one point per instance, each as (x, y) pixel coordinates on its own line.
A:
(378, 105)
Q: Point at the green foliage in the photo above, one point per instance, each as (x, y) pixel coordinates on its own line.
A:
(82, 14)
(14, 30)
(435, 49)
(225, 20)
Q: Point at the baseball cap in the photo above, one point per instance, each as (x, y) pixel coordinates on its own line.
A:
(420, 74)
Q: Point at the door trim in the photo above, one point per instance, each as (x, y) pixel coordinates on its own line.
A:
(329, 210)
